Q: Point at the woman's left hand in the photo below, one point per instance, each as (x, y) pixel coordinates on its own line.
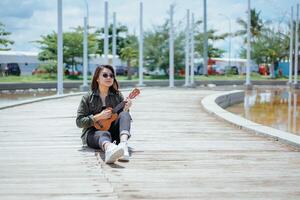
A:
(127, 104)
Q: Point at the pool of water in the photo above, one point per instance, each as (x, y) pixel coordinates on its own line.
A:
(275, 107)
(15, 96)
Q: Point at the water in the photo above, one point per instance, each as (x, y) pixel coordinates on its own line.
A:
(15, 96)
(275, 107)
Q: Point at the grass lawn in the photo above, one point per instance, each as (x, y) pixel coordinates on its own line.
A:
(47, 78)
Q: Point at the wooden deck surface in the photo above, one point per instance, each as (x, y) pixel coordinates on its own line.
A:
(178, 152)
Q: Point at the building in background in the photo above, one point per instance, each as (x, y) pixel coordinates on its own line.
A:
(28, 61)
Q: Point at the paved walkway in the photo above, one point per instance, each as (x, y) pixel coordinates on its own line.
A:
(178, 152)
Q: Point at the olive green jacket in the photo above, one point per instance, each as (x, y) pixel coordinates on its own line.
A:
(90, 105)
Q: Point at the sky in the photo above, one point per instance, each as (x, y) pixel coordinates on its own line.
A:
(27, 20)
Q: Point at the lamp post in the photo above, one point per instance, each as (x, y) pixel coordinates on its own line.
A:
(248, 84)
(187, 48)
(171, 48)
(85, 86)
(192, 46)
(229, 45)
(114, 40)
(296, 48)
(141, 48)
(291, 47)
(106, 32)
(205, 44)
(60, 89)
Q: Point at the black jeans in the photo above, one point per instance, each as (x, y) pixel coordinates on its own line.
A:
(119, 127)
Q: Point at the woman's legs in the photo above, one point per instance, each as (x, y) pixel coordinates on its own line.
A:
(121, 132)
(102, 140)
(120, 128)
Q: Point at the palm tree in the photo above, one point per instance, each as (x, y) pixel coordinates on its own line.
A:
(212, 37)
(256, 28)
(128, 54)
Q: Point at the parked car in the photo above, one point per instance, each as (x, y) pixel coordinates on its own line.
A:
(123, 70)
(120, 70)
(12, 69)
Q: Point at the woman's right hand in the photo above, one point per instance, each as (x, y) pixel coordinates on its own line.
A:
(105, 114)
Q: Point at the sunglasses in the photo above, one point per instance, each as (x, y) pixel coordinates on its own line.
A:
(106, 75)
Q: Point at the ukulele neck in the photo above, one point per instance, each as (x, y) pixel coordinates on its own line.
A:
(119, 107)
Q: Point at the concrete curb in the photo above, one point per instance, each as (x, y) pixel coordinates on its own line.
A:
(44, 99)
(215, 103)
(39, 99)
(125, 83)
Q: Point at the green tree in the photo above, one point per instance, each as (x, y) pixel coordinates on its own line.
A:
(213, 52)
(121, 34)
(72, 47)
(271, 46)
(129, 53)
(4, 42)
(257, 25)
(157, 46)
(156, 51)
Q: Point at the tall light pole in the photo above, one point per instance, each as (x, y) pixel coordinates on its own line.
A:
(85, 86)
(291, 46)
(187, 48)
(248, 84)
(114, 41)
(296, 48)
(229, 45)
(106, 32)
(192, 49)
(141, 47)
(205, 44)
(60, 89)
(171, 48)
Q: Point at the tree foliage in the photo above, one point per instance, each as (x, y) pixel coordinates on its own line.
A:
(129, 53)
(268, 44)
(121, 38)
(72, 46)
(4, 41)
(257, 25)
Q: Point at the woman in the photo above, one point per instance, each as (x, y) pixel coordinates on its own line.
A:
(92, 108)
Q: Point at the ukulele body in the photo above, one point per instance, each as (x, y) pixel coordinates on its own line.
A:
(104, 125)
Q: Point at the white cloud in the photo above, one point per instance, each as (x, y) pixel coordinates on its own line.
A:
(32, 18)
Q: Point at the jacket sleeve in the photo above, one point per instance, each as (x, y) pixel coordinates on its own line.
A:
(84, 119)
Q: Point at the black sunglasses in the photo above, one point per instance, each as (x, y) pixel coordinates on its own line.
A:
(106, 75)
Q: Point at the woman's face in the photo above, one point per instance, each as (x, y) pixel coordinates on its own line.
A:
(106, 78)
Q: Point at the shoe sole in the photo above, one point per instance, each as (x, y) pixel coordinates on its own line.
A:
(119, 153)
(124, 158)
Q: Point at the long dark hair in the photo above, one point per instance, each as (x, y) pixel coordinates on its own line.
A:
(115, 86)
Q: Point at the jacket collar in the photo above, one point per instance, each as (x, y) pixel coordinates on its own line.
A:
(97, 93)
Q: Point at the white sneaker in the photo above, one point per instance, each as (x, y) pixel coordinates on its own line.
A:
(113, 153)
(125, 156)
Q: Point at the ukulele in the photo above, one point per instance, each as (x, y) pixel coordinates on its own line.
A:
(104, 124)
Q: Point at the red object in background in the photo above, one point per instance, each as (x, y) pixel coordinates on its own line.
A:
(211, 62)
(181, 72)
(263, 70)
(210, 69)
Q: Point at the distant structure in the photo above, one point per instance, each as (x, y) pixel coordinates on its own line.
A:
(28, 61)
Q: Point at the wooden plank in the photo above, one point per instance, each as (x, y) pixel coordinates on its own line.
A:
(177, 152)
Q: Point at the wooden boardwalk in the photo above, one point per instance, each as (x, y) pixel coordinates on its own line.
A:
(178, 152)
